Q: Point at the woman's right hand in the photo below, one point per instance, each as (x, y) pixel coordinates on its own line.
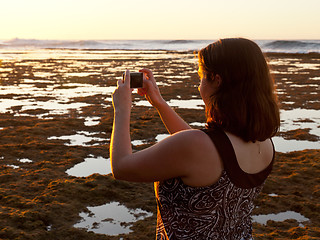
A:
(150, 89)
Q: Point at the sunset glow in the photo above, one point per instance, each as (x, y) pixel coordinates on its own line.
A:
(142, 19)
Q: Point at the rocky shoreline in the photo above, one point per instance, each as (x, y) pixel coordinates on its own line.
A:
(39, 200)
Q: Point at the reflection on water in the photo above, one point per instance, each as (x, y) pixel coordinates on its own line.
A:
(283, 145)
(187, 104)
(161, 137)
(138, 142)
(21, 160)
(13, 166)
(279, 217)
(25, 160)
(197, 124)
(92, 121)
(295, 64)
(295, 119)
(111, 219)
(90, 166)
(82, 138)
(273, 195)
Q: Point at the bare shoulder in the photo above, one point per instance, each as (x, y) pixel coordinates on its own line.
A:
(204, 165)
(198, 143)
(188, 144)
(193, 138)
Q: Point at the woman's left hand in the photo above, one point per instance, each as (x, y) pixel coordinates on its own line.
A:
(121, 97)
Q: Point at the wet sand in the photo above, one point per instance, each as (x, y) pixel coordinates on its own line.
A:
(39, 200)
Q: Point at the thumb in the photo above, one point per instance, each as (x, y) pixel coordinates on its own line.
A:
(127, 78)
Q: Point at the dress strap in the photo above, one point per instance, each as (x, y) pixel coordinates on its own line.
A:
(237, 176)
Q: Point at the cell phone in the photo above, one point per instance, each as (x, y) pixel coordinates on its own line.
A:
(136, 79)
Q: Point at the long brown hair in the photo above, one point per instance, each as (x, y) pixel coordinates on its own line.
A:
(245, 103)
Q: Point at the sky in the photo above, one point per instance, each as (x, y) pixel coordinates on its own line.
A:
(161, 19)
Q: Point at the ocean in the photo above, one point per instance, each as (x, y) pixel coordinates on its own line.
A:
(284, 46)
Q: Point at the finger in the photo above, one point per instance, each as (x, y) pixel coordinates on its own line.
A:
(149, 79)
(119, 82)
(127, 78)
(147, 71)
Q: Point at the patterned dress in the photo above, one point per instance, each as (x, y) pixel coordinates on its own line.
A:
(220, 211)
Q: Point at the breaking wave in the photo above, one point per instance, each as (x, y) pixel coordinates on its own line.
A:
(293, 46)
(286, 46)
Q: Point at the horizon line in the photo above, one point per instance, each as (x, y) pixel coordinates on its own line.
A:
(151, 39)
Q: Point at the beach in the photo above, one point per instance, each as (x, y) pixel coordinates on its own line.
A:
(56, 120)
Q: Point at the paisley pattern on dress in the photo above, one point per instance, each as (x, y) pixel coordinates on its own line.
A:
(220, 211)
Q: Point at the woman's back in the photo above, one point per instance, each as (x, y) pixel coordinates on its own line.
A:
(219, 211)
(252, 157)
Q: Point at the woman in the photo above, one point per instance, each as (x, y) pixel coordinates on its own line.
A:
(206, 180)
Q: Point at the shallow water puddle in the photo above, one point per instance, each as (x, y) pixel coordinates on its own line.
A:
(62, 95)
(298, 119)
(81, 74)
(188, 104)
(306, 66)
(22, 160)
(295, 64)
(25, 160)
(111, 218)
(197, 124)
(279, 217)
(160, 137)
(273, 195)
(138, 142)
(90, 166)
(13, 166)
(92, 121)
(283, 145)
(74, 90)
(82, 138)
(53, 107)
(294, 119)
(303, 85)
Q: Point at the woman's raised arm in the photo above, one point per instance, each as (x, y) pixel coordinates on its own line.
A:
(173, 122)
(175, 156)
